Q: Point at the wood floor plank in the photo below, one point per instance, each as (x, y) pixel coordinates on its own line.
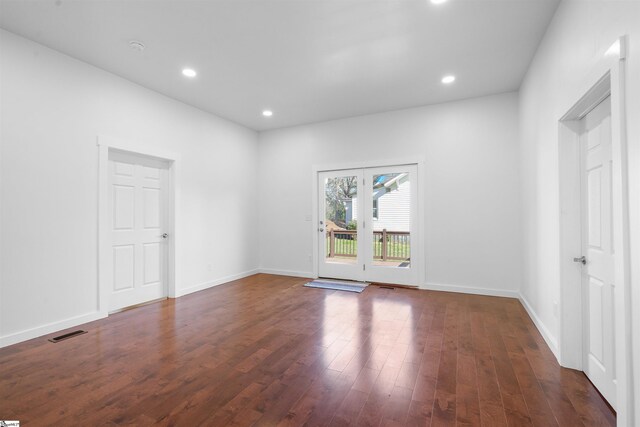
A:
(373, 409)
(444, 409)
(513, 401)
(350, 408)
(396, 409)
(491, 408)
(467, 401)
(419, 413)
(264, 350)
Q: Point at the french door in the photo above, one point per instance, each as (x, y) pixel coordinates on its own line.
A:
(368, 224)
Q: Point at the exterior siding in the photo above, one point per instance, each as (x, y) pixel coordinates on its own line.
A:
(394, 210)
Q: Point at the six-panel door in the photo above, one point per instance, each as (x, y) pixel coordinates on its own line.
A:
(597, 236)
(137, 205)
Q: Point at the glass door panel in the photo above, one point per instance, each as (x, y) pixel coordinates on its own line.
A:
(391, 219)
(339, 225)
(390, 224)
(341, 219)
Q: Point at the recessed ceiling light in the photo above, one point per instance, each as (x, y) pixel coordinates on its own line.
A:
(189, 72)
(448, 79)
(438, 1)
(267, 113)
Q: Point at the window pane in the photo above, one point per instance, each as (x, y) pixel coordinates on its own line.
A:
(391, 220)
(341, 207)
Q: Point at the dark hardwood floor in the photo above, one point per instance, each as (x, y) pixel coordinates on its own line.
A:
(266, 351)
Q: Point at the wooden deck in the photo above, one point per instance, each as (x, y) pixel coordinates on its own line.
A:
(266, 351)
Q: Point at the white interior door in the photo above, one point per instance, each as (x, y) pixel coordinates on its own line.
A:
(368, 224)
(598, 271)
(137, 217)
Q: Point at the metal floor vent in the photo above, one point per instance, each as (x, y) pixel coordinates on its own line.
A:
(388, 287)
(67, 336)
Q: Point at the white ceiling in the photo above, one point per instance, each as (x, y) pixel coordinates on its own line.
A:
(307, 60)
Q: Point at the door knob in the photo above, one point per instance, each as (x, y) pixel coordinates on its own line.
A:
(164, 235)
(582, 260)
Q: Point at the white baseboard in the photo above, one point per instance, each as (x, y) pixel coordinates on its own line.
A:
(470, 290)
(49, 328)
(90, 317)
(306, 274)
(551, 341)
(212, 283)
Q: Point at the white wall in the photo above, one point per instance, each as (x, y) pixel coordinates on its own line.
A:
(52, 109)
(578, 36)
(473, 237)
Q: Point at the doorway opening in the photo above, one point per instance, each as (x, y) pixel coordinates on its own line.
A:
(594, 304)
(136, 223)
(367, 224)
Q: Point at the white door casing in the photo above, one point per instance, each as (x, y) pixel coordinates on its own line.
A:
(598, 248)
(137, 216)
(606, 76)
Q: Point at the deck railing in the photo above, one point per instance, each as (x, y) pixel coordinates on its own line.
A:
(387, 245)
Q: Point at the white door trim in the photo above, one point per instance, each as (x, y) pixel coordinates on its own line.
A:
(606, 77)
(421, 222)
(106, 144)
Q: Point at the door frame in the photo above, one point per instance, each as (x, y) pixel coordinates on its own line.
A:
(105, 145)
(606, 78)
(421, 220)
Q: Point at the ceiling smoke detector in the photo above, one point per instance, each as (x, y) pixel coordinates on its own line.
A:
(136, 45)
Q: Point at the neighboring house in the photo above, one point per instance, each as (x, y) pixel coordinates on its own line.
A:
(391, 203)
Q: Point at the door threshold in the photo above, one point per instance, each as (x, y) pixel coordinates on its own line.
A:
(393, 285)
(142, 304)
(345, 281)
